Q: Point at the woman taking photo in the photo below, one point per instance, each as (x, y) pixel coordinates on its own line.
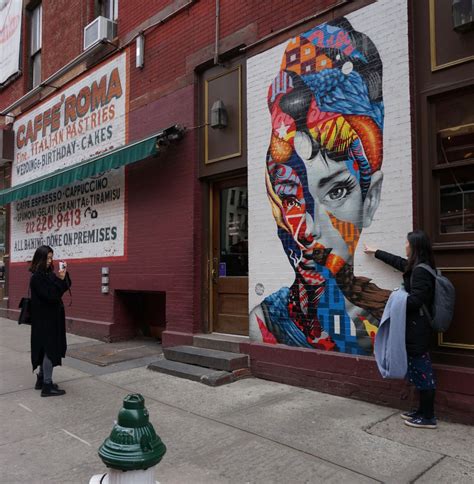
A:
(48, 322)
(420, 285)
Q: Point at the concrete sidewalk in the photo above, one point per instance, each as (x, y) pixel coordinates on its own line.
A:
(250, 431)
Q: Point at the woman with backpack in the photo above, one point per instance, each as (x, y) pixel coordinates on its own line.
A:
(48, 322)
(420, 286)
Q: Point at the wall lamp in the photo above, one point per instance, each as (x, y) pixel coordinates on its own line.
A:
(463, 15)
(219, 116)
(140, 51)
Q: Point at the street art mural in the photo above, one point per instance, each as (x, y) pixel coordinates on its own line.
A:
(323, 181)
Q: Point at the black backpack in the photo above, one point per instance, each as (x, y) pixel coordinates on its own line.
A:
(442, 311)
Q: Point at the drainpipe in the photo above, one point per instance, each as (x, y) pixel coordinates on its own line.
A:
(216, 47)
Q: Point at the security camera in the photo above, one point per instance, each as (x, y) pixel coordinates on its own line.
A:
(169, 135)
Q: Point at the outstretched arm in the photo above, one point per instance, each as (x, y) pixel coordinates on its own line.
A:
(395, 261)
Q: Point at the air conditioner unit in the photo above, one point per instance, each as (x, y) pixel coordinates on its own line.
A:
(99, 29)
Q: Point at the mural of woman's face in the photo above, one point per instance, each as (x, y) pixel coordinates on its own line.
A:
(316, 212)
(323, 162)
(323, 205)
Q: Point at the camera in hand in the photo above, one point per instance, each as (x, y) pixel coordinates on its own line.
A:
(62, 266)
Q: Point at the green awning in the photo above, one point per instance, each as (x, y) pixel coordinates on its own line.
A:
(93, 166)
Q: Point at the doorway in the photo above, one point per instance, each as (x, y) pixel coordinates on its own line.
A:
(140, 313)
(229, 257)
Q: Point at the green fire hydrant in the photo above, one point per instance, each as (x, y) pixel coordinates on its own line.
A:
(133, 446)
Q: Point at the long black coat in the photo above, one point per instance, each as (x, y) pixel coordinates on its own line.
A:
(420, 286)
(48, 322)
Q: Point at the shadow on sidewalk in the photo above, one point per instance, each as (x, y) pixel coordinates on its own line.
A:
(104, 354)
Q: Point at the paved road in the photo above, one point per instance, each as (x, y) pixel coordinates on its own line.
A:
(252, 431)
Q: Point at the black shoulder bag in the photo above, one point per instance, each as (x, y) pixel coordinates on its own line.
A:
(25, 308)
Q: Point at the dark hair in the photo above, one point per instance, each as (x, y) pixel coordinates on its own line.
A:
(40, 259)
(421, 250)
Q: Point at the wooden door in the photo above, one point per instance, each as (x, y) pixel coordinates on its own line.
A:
(229, 257)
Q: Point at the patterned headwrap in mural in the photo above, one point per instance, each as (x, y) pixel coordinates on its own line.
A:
(330, 87)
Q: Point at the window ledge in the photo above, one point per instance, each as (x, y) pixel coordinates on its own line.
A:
(454, 164)
(11, 80)
(26, 101)
(469, 244)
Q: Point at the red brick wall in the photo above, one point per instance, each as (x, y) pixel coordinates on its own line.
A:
(162, 235)
(196, 28)
(163, 219)
(63, 25)
(339, 374)
(167, 46)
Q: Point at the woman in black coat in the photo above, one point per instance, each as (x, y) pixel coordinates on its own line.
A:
(420, 285)
(48, 322)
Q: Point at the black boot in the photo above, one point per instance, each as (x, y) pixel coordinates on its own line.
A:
(49, 390)
(39, 383)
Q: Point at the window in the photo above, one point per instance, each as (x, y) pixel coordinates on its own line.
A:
(453, 166)
(108, 8)
(456, 149)
(233, 235)
(242, 200)
(35, 45)
(2, 230)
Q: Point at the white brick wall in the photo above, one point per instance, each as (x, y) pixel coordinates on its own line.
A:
(385, 22)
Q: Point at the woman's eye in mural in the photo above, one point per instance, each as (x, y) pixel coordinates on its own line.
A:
(290, 202)
(340, 191)
(337, 193)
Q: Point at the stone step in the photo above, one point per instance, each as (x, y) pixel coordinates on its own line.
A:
(220, 342)
(207, 376)
(218, 360)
